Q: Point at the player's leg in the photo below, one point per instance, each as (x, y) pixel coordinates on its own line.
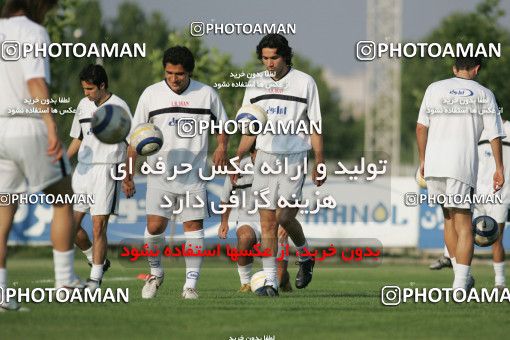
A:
(194, 238)
(269, 228)
(498, 259)
(287, 219)
(154, 237)
(246, 238)
(462, 220)
(283, 261)
(99, 226)
(82, 239)
(6, 218)
(62, 235)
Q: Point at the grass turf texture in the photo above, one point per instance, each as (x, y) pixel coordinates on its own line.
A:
(339, 303)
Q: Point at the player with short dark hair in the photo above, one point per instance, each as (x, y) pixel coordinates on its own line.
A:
(92, 175)
(447, 145)
(290, 95)
(165, 104)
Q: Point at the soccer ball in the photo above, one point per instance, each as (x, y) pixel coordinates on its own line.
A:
(146, 139)
(111, 124)
(257, 280)
(250, 115)
(420, 180)
(486, 231)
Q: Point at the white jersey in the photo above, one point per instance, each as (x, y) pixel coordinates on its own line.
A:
(92, 150)
(292, 98)
(174, 113)
(453, 137)
(17, 71)
(487, 166)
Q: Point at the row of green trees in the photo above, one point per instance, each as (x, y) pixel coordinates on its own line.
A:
(82, 21)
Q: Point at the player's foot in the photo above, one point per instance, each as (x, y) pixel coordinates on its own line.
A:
(190, 293)
(267, 290)
(440, 263)
(106, 265)
(285, 285)
(500, 288)
(92, 284)
(151, 286)
(245, 288)
(76, 284)
(470, 284)
(304, 275)
(11, 306)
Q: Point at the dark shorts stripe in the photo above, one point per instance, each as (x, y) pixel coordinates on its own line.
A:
(114, 203)
(280, 97)
(63, 167)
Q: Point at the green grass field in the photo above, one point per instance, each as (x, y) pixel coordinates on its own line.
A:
(340, 303)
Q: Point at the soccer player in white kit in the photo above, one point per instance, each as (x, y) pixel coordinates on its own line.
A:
(290, 95)
(92, 175)
(248, 227)
(175, 105)
(447, 145)
(31, 155)
(497, 211)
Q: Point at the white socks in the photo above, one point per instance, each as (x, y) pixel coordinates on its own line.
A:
(301, 249)
(3, 284)
(88, 254)
(64, 267)
(96, 273)
(244, 273)
(155, 261)
(269, 265)
(445, 253)
(195, 240)
(499, 271)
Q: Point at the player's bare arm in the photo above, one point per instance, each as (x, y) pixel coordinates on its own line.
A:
(421, 139)
(318, 150)
(128, 184)
(223, 228)
(39, 89)
(220, 154)
(73, 148)
(499, 177)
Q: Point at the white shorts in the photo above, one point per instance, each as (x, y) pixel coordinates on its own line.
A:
(24, 160)
(499, 212)
(96, 180)
(450, 187)
(280, 185)
(155, 198)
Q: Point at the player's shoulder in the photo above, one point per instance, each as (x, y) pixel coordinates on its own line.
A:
(27, 27)
(196, 85)
(118, 100)
(84, 102)
(155, 88)
(302, 76)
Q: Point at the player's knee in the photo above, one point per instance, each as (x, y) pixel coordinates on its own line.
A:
(245, 235)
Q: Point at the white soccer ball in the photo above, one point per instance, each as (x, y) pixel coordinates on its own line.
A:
(111, 124)
(251, 116)
(257, 280)
(420, 180)
(146, 139)
(486, 231)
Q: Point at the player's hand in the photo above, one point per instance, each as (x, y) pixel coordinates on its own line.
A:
(128, 186)
(223, 231)
(498, 180)
(55, 150)
(220, 156)
(316, 175)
